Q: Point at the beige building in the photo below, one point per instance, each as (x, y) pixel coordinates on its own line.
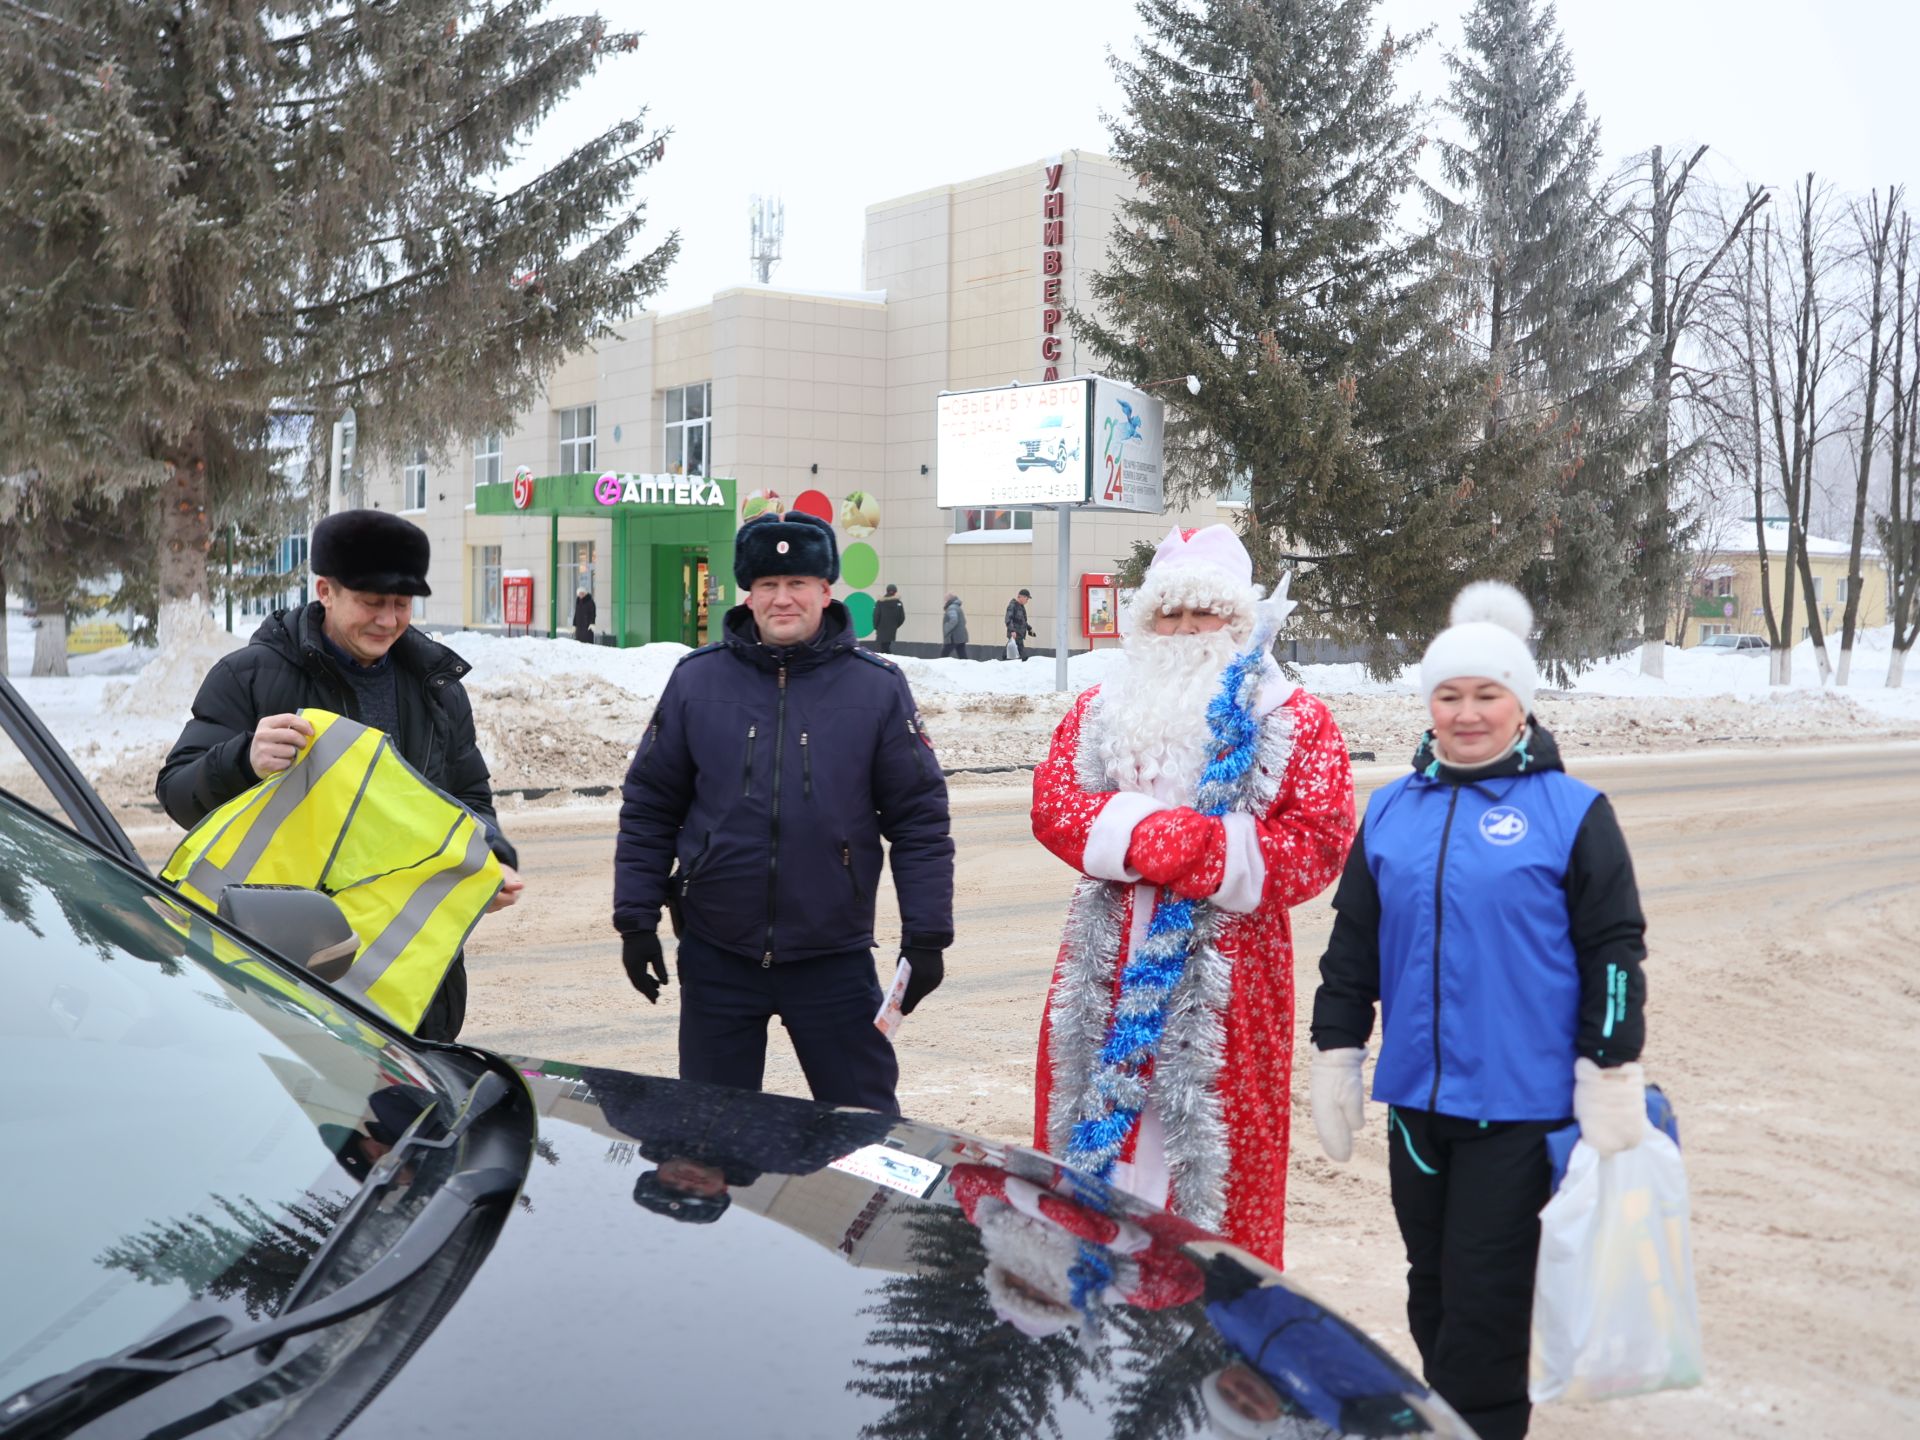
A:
(823, 401)
(1727, 600)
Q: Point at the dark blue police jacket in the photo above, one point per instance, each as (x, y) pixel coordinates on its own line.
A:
(758, 798)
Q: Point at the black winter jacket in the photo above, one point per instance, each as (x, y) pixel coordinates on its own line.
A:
(1017, 626)
(288, 667)
(585, 612)
(759, 795)
(888, 617)
(1605, 925)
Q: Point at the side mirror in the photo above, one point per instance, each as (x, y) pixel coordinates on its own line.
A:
(301, 924)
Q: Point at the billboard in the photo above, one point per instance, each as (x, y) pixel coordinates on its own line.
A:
(1085, 441)
(1016, 445)
(1127, 450)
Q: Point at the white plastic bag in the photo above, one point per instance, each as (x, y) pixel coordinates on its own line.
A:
(1614, 1308)
(1013, 648)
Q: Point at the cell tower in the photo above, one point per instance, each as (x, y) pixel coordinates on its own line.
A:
(769, 220)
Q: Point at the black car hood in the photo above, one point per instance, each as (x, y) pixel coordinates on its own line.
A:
(824, 1296)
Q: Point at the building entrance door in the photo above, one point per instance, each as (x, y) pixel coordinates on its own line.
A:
(682, 594)
(695, 597)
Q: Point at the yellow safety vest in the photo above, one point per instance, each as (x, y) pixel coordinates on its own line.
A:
(409, 867)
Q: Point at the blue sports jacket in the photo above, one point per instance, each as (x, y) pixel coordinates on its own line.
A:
(1494, 917)
(756, 802)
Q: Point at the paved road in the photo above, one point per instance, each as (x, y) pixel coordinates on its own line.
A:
(1783, 891)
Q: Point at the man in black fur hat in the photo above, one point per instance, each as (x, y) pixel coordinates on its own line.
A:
(352, 652)
(776, 761)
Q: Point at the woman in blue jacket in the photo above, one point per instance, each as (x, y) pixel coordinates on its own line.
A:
(1488, 906)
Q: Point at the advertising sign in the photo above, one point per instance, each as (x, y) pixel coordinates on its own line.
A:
(1018, 445)
(1128, 436)
(517, 586)
(1085, 441)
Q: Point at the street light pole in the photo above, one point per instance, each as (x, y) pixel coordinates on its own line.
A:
(1063, 592)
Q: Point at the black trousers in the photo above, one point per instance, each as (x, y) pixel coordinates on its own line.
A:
(953, 650)
(1468, 1198)
(827, 1005)
(883, 645)
(447, 1011)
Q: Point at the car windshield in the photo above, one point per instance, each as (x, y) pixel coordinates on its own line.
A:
(1720, 642)
(185, 1120)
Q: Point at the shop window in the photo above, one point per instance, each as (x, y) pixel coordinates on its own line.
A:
(576, 440)
(576, 568)
(486, 584)
(413, 481)
(689, 429)
(967, 521)
(486, 460)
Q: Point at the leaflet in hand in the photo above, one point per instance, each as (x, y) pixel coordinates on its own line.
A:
(887, 1022)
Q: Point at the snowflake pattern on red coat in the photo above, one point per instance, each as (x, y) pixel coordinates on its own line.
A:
(1303, 834)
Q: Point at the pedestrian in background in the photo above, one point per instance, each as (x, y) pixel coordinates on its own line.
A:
(585, 612)
(953, 630)
(776, 762)
(352, 652)
(1489, 907)
(1017, 627)
(888, 616)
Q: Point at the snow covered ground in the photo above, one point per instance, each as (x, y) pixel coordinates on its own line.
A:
(560, 714)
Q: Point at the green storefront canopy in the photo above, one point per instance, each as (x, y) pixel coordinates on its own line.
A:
(672, 539)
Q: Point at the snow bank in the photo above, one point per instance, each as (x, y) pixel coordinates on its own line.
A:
(555, 713)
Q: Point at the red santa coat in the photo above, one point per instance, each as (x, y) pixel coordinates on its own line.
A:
(1219, 1090)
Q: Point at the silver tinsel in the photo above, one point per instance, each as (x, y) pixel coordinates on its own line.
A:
(1188, 1067)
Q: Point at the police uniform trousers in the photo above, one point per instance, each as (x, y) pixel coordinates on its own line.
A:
(1468, 1198)
(827, 1005)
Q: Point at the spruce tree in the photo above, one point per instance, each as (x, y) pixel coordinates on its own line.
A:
(1544, 286)
(1261, 252)
(213, 213)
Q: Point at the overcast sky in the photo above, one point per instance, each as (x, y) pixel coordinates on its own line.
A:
(836, 105)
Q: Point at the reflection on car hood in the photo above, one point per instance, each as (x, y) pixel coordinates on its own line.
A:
(691, 1260)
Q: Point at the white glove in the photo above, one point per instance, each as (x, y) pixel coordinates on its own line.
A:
(1339, 1104)
(1611, 1105)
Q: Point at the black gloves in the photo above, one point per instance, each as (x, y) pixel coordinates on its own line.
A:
(929, 969)
(646, 967)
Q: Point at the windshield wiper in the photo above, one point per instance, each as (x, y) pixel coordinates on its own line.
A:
(57, 1404)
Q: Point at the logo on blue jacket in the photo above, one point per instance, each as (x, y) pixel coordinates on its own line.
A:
(1504, 825)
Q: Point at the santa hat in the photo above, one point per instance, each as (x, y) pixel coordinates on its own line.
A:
(1486, 640)
(1205, 568)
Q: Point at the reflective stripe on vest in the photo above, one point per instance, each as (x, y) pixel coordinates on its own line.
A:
(409, 867)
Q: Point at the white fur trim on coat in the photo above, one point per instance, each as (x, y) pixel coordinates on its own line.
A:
(1245, 880)
(1111, 834)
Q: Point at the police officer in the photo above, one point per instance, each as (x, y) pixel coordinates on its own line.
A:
(776, 761)
(352, 652)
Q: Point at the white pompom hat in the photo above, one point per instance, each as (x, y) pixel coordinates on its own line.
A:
(1486, 640)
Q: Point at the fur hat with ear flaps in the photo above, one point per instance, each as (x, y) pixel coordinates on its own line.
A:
(1487, 640)
(371, 551)
(792, 544)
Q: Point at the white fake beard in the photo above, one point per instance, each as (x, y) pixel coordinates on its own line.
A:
(1155, 738)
